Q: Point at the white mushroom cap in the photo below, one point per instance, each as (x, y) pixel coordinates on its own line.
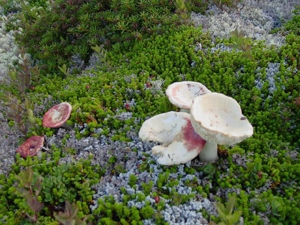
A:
(57, 115)
(180, 143)
(182, 93)
(218, 118)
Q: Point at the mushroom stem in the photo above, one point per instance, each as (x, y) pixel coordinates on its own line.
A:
(209, 153)
(46, 149)
(66, 126)
(184, 110)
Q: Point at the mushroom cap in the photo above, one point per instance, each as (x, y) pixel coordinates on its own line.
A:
(57, 115)
(218, 118)
(182, 93)
(180, 143)
(31, 146)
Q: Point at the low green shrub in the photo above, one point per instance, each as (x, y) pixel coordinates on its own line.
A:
(293, 24)
(56, 32)
(43, 191)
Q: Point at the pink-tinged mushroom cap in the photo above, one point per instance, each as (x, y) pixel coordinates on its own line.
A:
(31, 146)
(182, 93)
(57, 115)
(180, 143)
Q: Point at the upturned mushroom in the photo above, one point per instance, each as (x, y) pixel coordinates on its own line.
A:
(181, 94)
(31, 146)
(218, 119)
(179, 142)
(57, 115)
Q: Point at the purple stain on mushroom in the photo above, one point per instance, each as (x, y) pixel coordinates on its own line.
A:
(179, 142)
(192, 139)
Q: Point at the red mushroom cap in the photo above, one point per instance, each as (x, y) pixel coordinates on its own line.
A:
(57, 115)
(31, 146)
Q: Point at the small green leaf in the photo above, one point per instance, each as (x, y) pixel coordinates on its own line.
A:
(64, 69)
(221, 210)
(230, 204)
(25, 177)
(234, 218)
(220, 207)
(225, 213)
(96, 48)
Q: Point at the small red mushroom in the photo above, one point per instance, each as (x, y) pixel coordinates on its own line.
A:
(156, 199)
(57, 115)
(31, 146)
(148, 85)
(127, 106)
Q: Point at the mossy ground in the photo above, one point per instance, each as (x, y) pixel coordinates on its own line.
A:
(128, 81)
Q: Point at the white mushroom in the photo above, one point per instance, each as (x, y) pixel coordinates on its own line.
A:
(180, 143)
(182, 93)
(218, 119)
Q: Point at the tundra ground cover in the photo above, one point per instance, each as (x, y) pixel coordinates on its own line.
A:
(100, 173)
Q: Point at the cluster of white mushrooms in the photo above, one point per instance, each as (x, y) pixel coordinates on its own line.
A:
(205, 120)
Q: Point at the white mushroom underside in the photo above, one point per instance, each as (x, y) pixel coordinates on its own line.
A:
(182, 93)
(218, 118)
(163, 127)
(175, 153)
(222, 119)
(180, 143)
